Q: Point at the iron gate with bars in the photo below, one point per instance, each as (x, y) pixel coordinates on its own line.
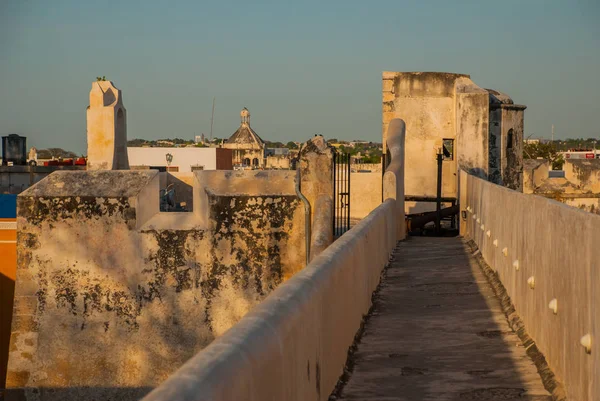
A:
(341, 193)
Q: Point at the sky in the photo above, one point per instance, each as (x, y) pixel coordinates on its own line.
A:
(301, 67)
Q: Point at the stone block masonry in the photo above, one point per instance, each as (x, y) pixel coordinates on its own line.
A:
(112, 296)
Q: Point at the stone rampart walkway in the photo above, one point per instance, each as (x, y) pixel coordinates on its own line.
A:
(437, 332)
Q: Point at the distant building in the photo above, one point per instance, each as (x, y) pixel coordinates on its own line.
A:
(180, 159)
(21, 169)
(278, 158)
(200, 139)
(14, 150)
(248, 148)
(581, 154)
(277, 152)
(535, 141)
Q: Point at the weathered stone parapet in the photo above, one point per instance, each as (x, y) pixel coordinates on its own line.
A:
(294, 345)
(543, 253)
(76, 250)
(258, 213)
(393, 179)
(106, 128)
(112, 295)
(322, 235)
(316, 171)
(243, 182)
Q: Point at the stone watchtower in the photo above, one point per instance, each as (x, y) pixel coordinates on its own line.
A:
(106, 128)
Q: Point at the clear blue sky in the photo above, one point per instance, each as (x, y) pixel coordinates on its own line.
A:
(301, 68)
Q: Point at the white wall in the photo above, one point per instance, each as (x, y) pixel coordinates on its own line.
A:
(183, 158)
(555, 244)
(365, 193)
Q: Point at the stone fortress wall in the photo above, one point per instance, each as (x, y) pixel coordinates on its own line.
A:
(112, 295)
(551, 279)
(294, 345)
(100, 268)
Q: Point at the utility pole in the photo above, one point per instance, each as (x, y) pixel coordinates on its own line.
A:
(552, 133)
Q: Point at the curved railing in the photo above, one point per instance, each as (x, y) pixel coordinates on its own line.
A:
(393, 178)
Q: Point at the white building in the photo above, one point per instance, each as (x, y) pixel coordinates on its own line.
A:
(181, 159)
(581, 154)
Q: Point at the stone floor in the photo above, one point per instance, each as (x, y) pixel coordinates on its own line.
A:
(437, 332)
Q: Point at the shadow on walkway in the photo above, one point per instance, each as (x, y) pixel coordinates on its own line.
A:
(437, 332)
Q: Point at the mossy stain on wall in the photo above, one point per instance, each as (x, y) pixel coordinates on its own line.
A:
(53, 209)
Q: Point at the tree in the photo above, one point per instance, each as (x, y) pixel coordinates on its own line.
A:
(291, 145)
(179, 141)
(373, 158)
(270, 144)
(136, 143)
(55, 153)
(545, 151)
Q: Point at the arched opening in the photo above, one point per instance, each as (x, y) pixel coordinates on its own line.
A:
(246, 162)
(509, 139)
(511, 170)
(255, 162)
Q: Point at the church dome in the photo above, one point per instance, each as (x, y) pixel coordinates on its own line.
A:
(245, 135)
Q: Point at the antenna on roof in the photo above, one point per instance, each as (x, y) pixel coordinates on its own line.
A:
(211, 119)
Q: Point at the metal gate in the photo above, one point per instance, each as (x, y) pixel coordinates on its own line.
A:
(341, 193)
